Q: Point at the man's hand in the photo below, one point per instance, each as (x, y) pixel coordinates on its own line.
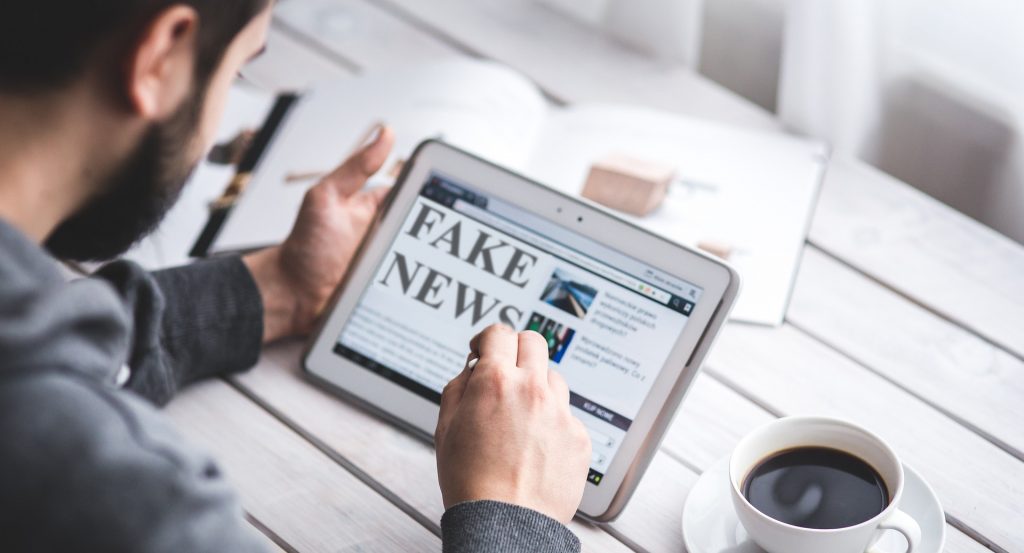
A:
(297, 278)
(505, 431)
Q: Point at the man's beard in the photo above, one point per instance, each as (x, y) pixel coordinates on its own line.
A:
(136, 196)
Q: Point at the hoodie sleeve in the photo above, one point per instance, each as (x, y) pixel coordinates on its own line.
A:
(98, 469)
(188, 323)
(496, 526)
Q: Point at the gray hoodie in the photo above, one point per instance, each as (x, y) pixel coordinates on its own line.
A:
(88, 462)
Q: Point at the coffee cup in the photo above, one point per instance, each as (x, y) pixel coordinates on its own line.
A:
(814, 484)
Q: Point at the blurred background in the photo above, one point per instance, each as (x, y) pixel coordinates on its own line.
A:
(929, 91)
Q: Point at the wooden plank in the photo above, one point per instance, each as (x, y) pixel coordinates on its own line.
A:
(958, 373)
(359, 35)
(286, 484)
(958, 542)
(401, 463)
(271, 546)
(925, 250)
(653, 518)
(789, 372)
(540, 42)
(710, 422)
(269, 543)
(288, 64)
(274, 542)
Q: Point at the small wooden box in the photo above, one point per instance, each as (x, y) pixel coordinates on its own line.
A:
(628, 184)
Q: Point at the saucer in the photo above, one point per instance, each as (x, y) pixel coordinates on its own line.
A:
(710, 524)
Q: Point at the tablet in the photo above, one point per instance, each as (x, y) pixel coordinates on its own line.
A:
(461, 244)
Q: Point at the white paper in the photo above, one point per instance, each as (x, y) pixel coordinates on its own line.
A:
(752, 190)
(480, 107)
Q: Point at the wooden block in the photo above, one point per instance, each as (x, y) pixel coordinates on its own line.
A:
(720, 249)
(628, 184)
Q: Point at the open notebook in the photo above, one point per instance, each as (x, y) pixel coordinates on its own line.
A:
(754, 191)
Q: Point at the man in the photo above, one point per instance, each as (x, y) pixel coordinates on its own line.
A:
(104, 109)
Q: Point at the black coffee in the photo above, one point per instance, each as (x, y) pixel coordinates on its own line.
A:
(816, 487)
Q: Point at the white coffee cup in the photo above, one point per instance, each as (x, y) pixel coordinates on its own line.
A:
(791, 432)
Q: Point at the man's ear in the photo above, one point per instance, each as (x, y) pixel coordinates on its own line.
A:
(160, 69)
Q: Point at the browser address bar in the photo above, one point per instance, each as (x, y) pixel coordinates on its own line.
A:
(561, 251)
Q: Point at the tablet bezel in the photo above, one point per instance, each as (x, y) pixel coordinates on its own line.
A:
(719, 283)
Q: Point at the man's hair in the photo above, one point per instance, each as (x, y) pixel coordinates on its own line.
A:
(48, 44)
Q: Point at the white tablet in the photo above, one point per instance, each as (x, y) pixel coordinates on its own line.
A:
(462, 244)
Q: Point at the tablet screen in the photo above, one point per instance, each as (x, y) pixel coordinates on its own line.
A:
(462, 261)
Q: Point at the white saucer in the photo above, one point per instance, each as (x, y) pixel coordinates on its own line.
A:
(710, 524)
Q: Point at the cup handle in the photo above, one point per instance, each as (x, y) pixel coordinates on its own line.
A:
(904, 524)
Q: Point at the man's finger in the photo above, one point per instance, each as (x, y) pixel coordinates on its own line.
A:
(351, 175)
(450, 398)
(533, 351)
(498, 343)
(373, 197)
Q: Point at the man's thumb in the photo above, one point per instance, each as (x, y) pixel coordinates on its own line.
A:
(351, 175)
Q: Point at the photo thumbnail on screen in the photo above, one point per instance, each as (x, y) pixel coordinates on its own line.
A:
(557, 335)
(568, 294)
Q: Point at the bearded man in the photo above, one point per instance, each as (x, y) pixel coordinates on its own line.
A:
(105, 108)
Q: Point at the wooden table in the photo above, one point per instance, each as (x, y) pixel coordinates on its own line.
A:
(907, 317)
